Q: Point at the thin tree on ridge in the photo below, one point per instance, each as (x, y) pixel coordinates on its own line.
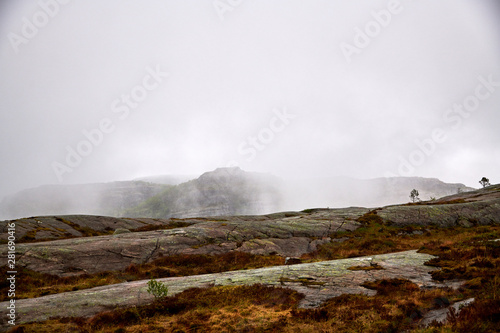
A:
(485, 182)
(414, 195)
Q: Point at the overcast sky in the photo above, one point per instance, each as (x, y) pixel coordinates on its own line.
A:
(94, 91)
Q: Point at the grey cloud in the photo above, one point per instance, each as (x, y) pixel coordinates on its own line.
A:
(226, 77)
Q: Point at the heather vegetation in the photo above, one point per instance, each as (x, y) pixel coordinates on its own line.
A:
(467, 254)
(34, 284)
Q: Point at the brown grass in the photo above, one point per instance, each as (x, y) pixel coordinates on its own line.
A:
(371, 267)
(434, 202)
(170, 225)
(218, 309)
(376, 238)
(463, 253)
(398, 306)
(34, 284)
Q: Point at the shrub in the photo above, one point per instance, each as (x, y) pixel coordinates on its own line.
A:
(157, 289)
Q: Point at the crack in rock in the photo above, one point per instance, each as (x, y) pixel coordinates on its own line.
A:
(157, 246)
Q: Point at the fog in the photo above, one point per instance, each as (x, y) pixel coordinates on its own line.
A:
(100, 91)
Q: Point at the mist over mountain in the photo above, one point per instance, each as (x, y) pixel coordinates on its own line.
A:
(232, 191)
(97, 199)
(167, 179)
(338, 192)
(224, 191)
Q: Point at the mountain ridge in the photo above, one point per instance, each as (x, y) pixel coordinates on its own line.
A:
(371, 245)
(224, 191)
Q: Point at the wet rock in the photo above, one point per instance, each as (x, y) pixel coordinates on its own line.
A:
(440, 315)
(286, 236)
(64, 226)
(318, 281)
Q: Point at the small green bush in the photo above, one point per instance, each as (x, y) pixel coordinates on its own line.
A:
(157, 289)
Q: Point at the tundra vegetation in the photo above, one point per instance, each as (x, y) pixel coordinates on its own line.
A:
(469, 253)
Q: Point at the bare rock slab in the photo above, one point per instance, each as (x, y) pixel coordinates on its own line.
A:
(318, 281)
(282, 235)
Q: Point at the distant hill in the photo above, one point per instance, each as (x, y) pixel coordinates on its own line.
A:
(344, 191)
(225, 191)
(167, 179)
(97, 199)
(232, 191)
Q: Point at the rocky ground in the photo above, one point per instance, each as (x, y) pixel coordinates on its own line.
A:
(95, 244)
(317, 281)
(286, 234)
(42, 228)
